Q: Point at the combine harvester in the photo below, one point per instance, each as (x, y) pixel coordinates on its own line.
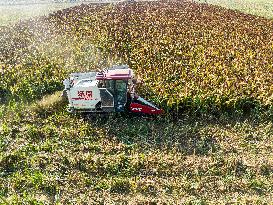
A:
(111, 90)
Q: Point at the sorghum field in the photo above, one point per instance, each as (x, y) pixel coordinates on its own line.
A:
(209, 67)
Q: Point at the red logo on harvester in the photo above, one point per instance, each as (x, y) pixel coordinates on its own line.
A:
(84, 95)
(81, 94)
(88, 95)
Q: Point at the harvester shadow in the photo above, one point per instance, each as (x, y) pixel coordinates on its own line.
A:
(187, 136)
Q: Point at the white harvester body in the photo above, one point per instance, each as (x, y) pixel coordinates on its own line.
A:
(111, 90)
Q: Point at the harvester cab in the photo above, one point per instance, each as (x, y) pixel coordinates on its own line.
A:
(111, 90)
